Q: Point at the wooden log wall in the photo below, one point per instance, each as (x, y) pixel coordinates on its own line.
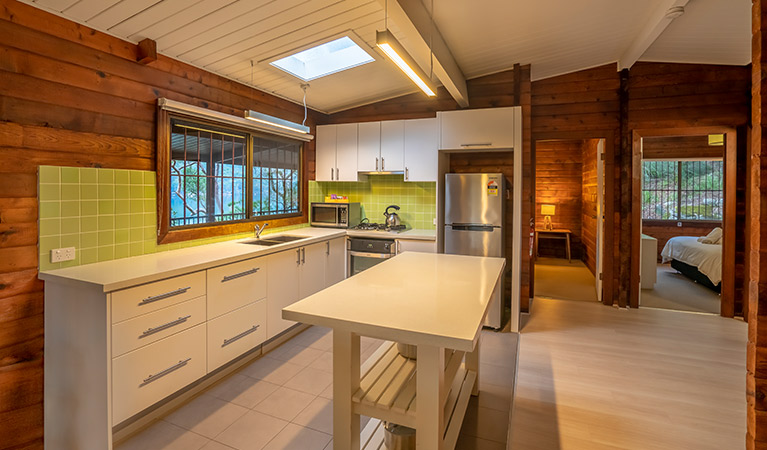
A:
(492, 91)
(559, 182)
(589, 203)
(756, 279)
(680, 147)
(72, 96)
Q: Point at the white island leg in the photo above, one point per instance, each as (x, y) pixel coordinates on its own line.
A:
(472, 363)
(430, 380)
(346, 381)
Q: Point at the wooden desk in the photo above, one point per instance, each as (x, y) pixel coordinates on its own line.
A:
(556, 233)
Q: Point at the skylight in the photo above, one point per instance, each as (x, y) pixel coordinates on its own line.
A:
(325, 59)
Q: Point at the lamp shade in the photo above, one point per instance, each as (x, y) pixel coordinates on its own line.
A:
(548, 210)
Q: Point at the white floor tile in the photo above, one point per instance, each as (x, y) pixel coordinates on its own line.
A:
(252, 431)
(312, 381)
(272, 370)
(324, 362)
(164, 436)
(213, 445)
(296, 354)
(284, 403)
(295, 437)
(317, 416)
(328, 392)
(206, 415)
(243, 390)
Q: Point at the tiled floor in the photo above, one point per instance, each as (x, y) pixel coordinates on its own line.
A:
(284, 400)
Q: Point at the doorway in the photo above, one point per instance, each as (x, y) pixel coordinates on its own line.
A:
(683, 189)
(569, 219)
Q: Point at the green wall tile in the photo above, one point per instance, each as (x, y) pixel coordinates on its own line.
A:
(50, 227)
(88, 175)
(89, 255)
(122, 206)
(106, 238)
(122, 251)
(88, 192)
(106, 222)
(50, 242)
(50, 210)
(49, 192)
(70, 225)
(89, 207)
(122, 192)
(89, 240)
(136, 177)
(49, 174)
(122, 176)
(70, 240)
(70, 209)
(136, 191)
(70, 192)
(150, 178)
(70, 175)
(106, 176)
(122, 221)
(106, 207)
(106, 191)
(106, 253)
(122, 236)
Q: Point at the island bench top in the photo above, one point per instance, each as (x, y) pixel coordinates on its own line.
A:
(414, 298)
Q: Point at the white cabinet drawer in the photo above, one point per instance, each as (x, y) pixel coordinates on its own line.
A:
(235, 285)
(233, 334)
(150, 297)
(143, 330)
(145, 376)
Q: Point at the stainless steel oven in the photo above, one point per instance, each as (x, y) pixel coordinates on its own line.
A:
(335, 215)
(365, 253)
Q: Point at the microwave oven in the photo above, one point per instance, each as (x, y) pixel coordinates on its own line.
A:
(335, 215)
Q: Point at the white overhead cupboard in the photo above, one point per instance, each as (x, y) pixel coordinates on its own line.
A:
(400, 146)
(470, 129)
(123, 335)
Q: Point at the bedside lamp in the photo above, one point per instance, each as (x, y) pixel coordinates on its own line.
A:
(547, 211)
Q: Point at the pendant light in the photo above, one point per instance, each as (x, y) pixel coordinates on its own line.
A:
(391, 47)
(276, 121)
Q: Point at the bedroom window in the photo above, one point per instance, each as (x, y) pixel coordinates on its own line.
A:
(220, 175)
(682, 190)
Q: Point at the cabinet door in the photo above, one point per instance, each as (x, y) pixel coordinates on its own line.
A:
(281, 289)
(369, 147)
(412, 245)
(477, 128)
(335, 261)
(393, 145)
(311, 274)
(421, 150)
(325, 147)
(346, 152)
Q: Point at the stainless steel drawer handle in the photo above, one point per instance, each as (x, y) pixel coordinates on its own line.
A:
(153, 330)
(240, 336)
(239, 275)
(161, 374)
(164, 296)
(482, 144)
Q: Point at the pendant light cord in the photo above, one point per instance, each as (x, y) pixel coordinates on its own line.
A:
(431, 48)
(304, 86)
(386, 15)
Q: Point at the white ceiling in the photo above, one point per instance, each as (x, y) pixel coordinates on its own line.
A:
(485, 36)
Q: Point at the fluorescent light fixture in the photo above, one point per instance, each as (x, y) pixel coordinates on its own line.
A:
(275, 121)
(324, 59)
(394, 50)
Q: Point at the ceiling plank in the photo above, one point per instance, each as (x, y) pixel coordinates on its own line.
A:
(658, 22)
(415, 23)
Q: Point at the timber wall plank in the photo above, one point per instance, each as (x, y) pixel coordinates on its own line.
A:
(589, 204)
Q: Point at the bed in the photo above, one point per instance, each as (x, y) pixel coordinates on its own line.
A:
(696, 260)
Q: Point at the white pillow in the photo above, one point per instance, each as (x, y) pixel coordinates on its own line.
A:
(714, 237)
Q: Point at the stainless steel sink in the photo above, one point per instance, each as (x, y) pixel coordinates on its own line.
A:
(268, 242)
(285, 238)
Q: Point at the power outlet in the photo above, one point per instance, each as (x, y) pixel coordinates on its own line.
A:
(434, 221)
(62, 254)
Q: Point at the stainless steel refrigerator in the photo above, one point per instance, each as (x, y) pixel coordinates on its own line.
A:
(475, 208)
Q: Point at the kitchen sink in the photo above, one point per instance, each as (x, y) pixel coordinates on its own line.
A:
(268, 242)
(284, 238)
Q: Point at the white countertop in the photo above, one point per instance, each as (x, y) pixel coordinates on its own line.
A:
(419, 235)
(416, 298)
(127, 272)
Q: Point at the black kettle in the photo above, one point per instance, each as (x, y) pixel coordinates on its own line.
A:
(392, 219)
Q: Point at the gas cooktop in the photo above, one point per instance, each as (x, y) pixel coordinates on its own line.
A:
(368, 226)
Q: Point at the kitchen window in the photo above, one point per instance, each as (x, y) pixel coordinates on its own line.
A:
(219, 176)
(682, 190)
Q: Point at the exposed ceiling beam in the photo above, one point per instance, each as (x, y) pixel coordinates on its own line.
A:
(661, 18)
(415, 23)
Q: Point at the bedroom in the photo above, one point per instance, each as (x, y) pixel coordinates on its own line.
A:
(682, 216)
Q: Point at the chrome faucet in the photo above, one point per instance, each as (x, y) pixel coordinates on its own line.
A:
(258, 230)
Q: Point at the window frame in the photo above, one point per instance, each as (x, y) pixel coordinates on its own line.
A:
(678, 162)
(167, 234)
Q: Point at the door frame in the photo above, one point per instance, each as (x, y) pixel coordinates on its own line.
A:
(729, 157)
(609, 251)
(600, 232)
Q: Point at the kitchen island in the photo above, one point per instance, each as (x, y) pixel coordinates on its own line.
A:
(434, 301)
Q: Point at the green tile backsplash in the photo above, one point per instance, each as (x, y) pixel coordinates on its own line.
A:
(105, 214)
(417, 200)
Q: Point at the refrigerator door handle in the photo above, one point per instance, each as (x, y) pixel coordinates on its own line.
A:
(470, 227)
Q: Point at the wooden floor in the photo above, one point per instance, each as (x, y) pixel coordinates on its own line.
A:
(596, 377)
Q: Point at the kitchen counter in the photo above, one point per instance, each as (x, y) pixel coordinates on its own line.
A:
(416, 235)
(438, 303)
(121, 273)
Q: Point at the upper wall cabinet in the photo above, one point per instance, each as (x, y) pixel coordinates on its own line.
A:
(381, 146)
(336, 152)
(474, 129)
(421, 149)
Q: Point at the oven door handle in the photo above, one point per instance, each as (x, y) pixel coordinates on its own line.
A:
(371, 255)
